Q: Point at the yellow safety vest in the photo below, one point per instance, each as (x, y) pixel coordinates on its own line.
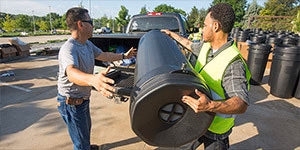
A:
(213, 73)
(196, 36)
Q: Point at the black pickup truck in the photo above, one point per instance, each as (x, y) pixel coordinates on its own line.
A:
(137, 27)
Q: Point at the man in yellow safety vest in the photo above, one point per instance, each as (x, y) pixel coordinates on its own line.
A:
(197, 36)
(224, 71)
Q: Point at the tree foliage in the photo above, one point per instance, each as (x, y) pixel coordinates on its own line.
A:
(168, 8)
(280, 8)
(63, 22)
(196, 17)
(252, 10)
(238, 7)
(201, 18)
(144, 10)
(43, 25)
(296, 23)
(9, 25)
(123, 17)
(23, 22)
(193, 17)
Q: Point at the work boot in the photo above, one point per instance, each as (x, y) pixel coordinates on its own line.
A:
(94, 147)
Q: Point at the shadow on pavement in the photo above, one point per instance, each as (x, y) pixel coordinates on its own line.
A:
(15, 96)
(22, 111)
(120, 143)
(23, 94)
(277, 123)
(47, 72)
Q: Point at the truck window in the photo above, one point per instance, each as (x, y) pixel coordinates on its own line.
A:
(185, 23)
(150, 23)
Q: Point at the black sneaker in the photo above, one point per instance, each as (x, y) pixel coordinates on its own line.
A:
(94, 147)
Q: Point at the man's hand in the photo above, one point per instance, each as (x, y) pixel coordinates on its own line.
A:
(131, 52)
(102, 83)
(166, 31)
(198, 105)
(179, 39)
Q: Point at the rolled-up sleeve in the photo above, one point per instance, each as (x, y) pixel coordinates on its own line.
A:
(234, 81)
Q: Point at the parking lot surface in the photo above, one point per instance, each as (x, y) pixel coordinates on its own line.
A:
(29, 119)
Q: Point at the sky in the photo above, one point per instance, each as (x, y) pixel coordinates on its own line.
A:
(98, 8)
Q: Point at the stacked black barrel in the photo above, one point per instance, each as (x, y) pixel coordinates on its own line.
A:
(285, 69)
(257, 61)
(240, 35)
(259, 51)
(284, 46)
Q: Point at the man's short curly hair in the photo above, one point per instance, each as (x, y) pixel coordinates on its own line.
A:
(223, 13)
(73, 15)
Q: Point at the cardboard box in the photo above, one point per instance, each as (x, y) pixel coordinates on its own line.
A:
(22, 48)
(269, 62)
(243, 47)
(8, 52)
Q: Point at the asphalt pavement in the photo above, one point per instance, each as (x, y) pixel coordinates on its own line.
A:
(29, 119)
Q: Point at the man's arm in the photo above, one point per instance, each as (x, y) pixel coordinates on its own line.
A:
(99, 81)
(233, 105)
(181, 40)
(236, 92)
(109, 56)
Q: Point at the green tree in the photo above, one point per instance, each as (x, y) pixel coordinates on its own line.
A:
(114, 24)
(296, 23)
(238, 7)
(123, 17)
(55, 20)
(104, 21)
(97, 23)
(143, 10)
(252, 10)
(280, 8)
(43, 25)
(63, 22)
(201, 18)
(23, 22)
(193, 17)
(9, 25)
(2, 19)
(168, 8)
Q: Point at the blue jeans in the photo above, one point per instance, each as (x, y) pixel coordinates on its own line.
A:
(78, 120)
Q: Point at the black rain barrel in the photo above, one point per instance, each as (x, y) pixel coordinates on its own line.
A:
(257, 38)
(297, 91)
(274, 40)
(158, 116)
(289, 41)
(284, 71)
(257, 61)
(242, 36)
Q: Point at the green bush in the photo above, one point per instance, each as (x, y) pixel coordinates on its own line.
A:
(10, 34)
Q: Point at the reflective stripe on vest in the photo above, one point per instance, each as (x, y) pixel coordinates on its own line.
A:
(213, 73)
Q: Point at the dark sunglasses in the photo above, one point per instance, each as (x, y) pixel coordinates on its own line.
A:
(88, 21)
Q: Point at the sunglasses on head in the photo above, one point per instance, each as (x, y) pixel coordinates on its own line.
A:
(88, 21)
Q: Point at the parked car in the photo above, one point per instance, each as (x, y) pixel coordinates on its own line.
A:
(24, 33)
(103, 30)
(2, 31)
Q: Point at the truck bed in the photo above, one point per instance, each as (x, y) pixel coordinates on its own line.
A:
(104, 41)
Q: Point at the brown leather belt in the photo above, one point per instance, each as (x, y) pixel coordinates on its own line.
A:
(74, 101)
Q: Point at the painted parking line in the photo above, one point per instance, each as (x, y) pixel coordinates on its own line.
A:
(15, 87)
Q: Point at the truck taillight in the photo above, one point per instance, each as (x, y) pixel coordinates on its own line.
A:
(154, 13)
